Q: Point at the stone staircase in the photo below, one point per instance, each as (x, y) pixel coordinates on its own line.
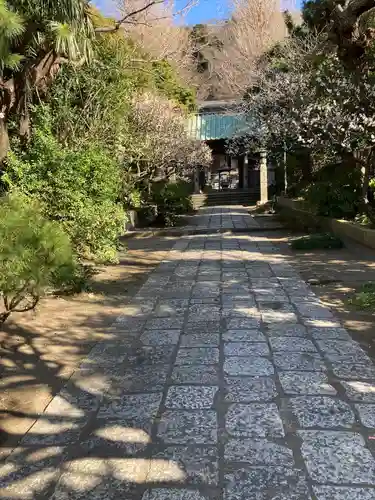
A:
(229, 197)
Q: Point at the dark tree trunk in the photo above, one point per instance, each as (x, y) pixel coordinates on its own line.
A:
(4, 139)
(16, 95)
(4, 316)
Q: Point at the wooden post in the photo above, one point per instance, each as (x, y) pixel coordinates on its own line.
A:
(263, 177)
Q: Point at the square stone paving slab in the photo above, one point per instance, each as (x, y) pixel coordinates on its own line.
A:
(314, 311)
(287, 330)
(204, 312)
(170, 309)
(354, 371)
(355, 357)
(252, 366)
(254, 420)
(266, 483)
(343, 493)
(197, 355)
(206, 300)
(269, 282)
(357, 390)
(267, 295)
(195, 374)
(144, 378)
(250, 389)
(276, 317)
(306, 361)
(132, 407)
(191, 397)
(198, 464)
(306, 383)
(202, 327)
(160, 337)
(259, 272)
(188, 427)
(200, 339)
(116, 438)
(246, 349)
(292, 344)
(340, 347)
(337, 457)
(366, 415)
(147, 355)
(243, 323)
(244, 299)
(321, 323)
(330, 333)
(174, 323)
(275, 306)
(244, 336)
(257, 452)
(322, 412)
(132, 325)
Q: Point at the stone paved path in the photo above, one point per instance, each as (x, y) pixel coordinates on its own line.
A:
(224, 379)
(223, 218)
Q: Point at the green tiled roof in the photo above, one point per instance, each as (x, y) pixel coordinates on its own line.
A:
(209, 127)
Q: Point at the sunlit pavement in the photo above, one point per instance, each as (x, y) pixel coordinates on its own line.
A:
(225, 378)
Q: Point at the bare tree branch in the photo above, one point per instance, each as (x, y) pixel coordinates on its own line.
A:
(163, 39)
(254, 27)
(123, 20)
(129, 17)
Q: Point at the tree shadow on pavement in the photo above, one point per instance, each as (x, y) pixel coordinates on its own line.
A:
(99, 437)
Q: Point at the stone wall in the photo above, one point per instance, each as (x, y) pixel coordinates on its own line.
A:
(305, 220)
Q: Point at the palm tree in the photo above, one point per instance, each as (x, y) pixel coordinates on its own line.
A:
(36, 37)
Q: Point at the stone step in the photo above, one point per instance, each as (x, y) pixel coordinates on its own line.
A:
(225, 198)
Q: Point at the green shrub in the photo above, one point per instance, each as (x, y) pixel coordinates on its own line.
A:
(78, 188)
(35, 255)
(331, 199)
(317, 241)
(365, 298)
(79, 282)
(171, 200)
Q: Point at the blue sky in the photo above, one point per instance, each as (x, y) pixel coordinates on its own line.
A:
(206, 10)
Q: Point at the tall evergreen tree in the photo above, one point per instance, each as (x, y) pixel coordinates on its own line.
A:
(36, 36)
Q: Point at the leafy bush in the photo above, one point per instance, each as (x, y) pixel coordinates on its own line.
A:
(172, 200)
(77, 187)
(331, 199)
(336, 191)
(35, 255)
(317, 241)
(79, 282)
(95, 229)
(166, 81)
(365, 298)
(134, 199)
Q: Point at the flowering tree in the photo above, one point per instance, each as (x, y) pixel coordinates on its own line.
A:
(322, 107)
(158, 143)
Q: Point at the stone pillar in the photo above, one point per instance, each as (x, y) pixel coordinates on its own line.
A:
(196, 180)
(246, 172)
(263, 177)
(208, 176)
(234, 171)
